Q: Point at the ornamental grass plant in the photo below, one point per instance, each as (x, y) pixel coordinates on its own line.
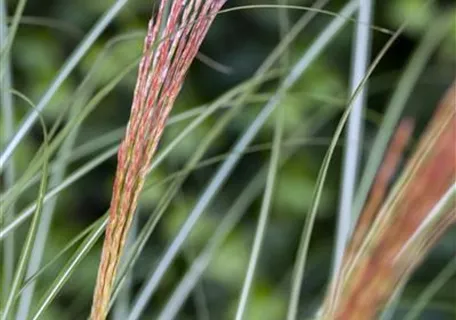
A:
(219, 159)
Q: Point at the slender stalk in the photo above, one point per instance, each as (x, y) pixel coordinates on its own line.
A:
(360, 60)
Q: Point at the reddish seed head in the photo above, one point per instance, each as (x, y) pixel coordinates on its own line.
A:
(171, 44)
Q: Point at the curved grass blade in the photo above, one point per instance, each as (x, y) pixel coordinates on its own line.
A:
(27, 247)
(314, 9)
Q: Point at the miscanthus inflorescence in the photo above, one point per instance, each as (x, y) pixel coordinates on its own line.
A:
(171, 44)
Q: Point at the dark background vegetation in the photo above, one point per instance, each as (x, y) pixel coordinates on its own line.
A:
(239, 40)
